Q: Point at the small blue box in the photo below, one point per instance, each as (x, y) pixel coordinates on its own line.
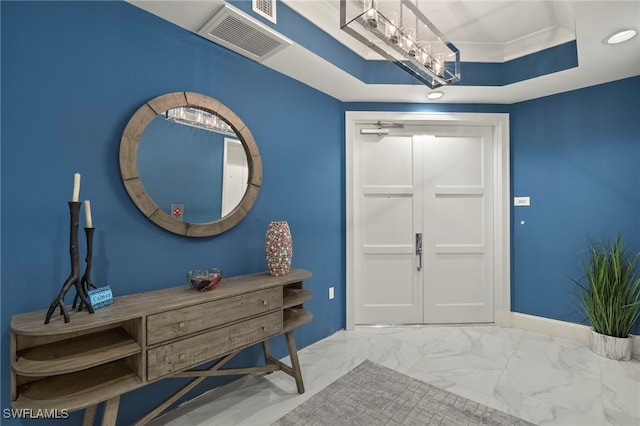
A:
(100, 297)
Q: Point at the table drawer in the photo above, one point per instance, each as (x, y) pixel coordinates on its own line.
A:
(195, 350)
(192, 319)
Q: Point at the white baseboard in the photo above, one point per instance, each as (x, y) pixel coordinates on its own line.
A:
(561, 329)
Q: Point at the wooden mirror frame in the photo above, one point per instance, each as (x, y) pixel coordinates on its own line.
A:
(131, 175)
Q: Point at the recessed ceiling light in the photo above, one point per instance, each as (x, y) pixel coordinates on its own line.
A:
(435, 95)
(621, 37)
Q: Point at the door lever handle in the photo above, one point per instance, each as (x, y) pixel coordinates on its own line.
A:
(419, 249)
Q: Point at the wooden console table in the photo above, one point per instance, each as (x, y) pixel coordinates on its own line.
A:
(145, 337)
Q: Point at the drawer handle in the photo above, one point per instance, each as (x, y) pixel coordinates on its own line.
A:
(181, 324)
(181, 357)
(264, 302)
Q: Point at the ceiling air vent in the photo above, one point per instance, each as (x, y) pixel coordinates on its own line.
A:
(265, 8)
(243, 34)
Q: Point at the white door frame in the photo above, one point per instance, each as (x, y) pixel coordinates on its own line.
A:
(502, 230)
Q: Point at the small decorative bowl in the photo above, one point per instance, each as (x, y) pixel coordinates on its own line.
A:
(204, 279)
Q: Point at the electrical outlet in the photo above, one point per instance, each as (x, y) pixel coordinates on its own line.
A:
(331, 293)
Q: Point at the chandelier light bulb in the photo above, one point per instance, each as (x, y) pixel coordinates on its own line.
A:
(370, 13)
(438, 66)
(424, 55)
(410, 41)
(391, 30)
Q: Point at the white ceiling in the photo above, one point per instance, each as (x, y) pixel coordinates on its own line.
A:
(483, 31)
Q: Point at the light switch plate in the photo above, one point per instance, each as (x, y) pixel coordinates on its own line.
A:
(521, 201)
(331, 293)
(177, 211)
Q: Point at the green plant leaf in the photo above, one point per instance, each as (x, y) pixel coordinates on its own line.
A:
(610, 287)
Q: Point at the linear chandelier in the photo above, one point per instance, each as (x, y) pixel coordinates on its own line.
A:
(399, 32)
(201, 119)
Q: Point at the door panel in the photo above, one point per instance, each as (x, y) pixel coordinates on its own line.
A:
(458, 219)
(456, 161)
(388, 220)
(383, 270)
(458, 227)
(388, 161)
(389, 287)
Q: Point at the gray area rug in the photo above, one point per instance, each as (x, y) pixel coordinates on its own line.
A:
(372, 394)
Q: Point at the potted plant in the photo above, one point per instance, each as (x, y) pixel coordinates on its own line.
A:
(610, 297)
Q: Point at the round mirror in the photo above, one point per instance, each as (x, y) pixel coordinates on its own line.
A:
(190, 164)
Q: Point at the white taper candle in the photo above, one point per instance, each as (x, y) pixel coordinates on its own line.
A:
(76, 187)
(87, 214)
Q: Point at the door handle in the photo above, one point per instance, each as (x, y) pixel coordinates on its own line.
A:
(419, 249)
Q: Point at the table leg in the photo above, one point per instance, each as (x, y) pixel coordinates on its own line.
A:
(89, 415)
(110, 411)
(266, 348)
(295, 363)
(268, 359)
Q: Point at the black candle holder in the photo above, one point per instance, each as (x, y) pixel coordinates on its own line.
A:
(74, 277)
(85, 283)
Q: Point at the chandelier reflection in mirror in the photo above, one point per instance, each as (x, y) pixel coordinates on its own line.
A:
(402, 34)
(195, 117)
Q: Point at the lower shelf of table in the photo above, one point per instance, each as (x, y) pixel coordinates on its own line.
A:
(78, 390)
(295, 317)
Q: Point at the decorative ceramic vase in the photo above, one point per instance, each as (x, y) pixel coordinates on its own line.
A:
(616, 348)
(278, 248)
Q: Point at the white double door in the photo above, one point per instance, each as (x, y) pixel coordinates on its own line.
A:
(423, 226)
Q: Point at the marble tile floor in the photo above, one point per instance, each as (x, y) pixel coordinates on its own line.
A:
(544, 380)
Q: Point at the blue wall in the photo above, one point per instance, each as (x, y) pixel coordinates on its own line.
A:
(74, 72)
(577, 156)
